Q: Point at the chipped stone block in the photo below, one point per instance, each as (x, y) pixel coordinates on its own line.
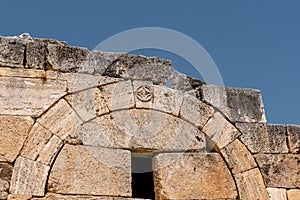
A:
(13, 133)
(29, 177)
(238, 157)
(143, 94)
(5, 177)
(277, 193)
(263, 138)
(37, 95)
(251, 185)
(52, 196)
(41, 145)
(36, 54)
(19, 197)
(280, 170)
(293, 194)
(21, 72)
(195, 111)
(293, 132)
(135, 67)
(167, 100)
(91, 171)
(220, 131)
(12, 51)
(142, 129)
(192, 176)
(57, 117)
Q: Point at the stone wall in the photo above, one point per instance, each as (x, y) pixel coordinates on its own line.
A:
(73, 122)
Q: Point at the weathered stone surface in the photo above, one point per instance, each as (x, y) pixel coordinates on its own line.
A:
(195, 111)
(5, 177)
(143, 94)
(29, 177)
(57, 117)
(220, 131)
(11, 52)
(192, 176)
(41, 145)
(19, 197)
(277, 193)
(238, 157)
(251, 185)
(142, 129)
(91, 171)
(21, 72)
(37, 95)
(167, 100)
(294, 138)
(117, 96)
(263, 138)
(280, 170)
(293, 194)
(52, 196)
(36, 55)
(153, 69)
(13, 133)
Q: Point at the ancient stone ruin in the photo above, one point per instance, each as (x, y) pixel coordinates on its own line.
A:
(76, 124)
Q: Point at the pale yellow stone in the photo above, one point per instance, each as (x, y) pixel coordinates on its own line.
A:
(21, 72)
(277, 193)
(192, 176)
(238, 157)
(13, 133)
(220, 131)
(52, 196)
(41, 145)
(19, 197)
(29, 177)
(293, 194)
(29, 96)
(61, 120)
(91, 171)
(251, 185)
(139, 85)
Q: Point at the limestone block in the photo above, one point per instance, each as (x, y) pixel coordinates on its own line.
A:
(117, 96)
(238, 157)
(61, 120)
(263, 138)
(36, 54)
(142, 129)
(52, 196)
(19, 197)
(11, 52)
(220, 131)
(153, 69)
(251, 185)
(280, 170)
(195, 111)
(101, 60)
(192, 176)
(29, 177)
(13, 133)
(294, 138)
(277, 193)
(167, 100)
(293, 194)
(5, 177)
(21, 72)
(41, 145)
(37, 95)
(91, 171)
(143, 94)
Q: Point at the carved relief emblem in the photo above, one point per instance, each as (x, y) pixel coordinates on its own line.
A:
(144, 93)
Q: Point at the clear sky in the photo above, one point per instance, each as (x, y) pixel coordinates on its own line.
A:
(255, 44)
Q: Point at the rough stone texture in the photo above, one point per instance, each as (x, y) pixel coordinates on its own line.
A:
(192, 176)
(220, 131)
(251, 185)
(147, 94)
(293, 194)
(52, 196)
(167, 100)
(91, 171)
(29, 177)
(21, 72)
(263, 138)
(195, 111)
(280, 170)
(11, 52)
(41, 145)
(36, 54)
(142, 129)
(19, 197)
(37, 95)
(153, 69)
(57, 117)
(277, 193)
(294, 138)
(13, 133)
(238, 157)
(5, 177)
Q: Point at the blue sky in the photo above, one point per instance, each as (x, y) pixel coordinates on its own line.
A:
(255, 44)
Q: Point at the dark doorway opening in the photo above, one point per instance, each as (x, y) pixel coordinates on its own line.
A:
(142, 176)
